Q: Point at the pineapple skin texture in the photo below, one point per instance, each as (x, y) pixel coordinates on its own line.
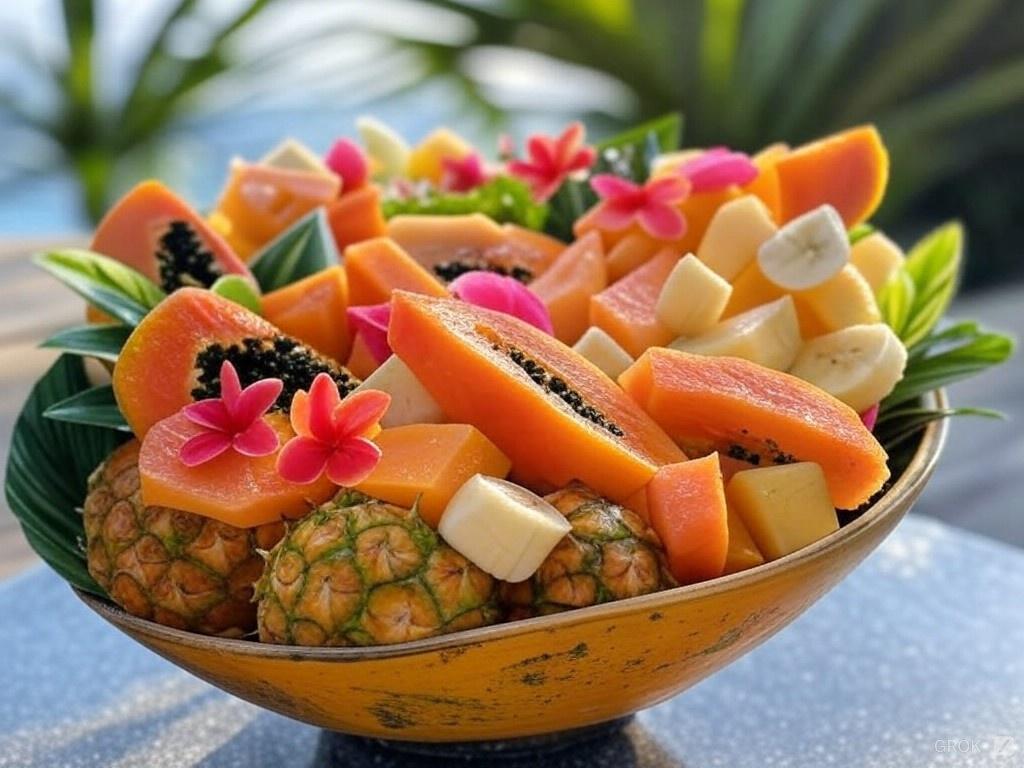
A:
(172, 567)
(363, 572)
(610, 554)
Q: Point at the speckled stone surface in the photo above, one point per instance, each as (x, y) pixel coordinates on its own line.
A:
(917, 659)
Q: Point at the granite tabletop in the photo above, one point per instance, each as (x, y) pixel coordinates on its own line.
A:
(915, 660)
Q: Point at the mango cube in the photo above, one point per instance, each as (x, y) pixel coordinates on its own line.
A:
(603, 351)
(784, 507)
(876, 257)
(839, 302)
(410, 402)
(735, 233)
(425, 160)
(693, 297)
(743, 552)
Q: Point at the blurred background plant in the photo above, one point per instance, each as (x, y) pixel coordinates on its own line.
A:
(98, 93)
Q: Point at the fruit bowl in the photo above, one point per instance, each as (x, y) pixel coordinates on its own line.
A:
(543, 675)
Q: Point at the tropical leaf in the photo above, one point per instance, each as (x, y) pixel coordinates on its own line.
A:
(667, 130)
(503, 198)
(100, 341)
(95, 407)
(239, 290)
(48, 468)
(304, 249)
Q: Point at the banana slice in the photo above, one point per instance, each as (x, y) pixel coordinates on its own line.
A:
(839, 302)
(692, 298)
(293, 155)
(501, 527)
(768, 335)
(388, 151)
(858, 365)
(736, 231)
(876, 257)
(604, 352)
(807, 251)
(410, 401)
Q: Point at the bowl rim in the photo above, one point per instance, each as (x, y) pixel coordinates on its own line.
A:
(912, 480)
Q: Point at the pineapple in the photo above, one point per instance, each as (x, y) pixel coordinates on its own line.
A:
(173, 567)
(363, 572)
(610, 554)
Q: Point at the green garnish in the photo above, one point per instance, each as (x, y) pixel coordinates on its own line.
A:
(503, 198)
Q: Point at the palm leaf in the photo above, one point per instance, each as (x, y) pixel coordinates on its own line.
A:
(95, 407)
(100, 341)
(306, 248)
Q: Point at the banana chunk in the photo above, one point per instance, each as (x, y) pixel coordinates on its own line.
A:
(293, 155)
(858, 365)
(410, 401)
(876, 257)
(388, 151)
(807, 251)
(604, 352)
(501, 527)
(693, 297)
(734, 234)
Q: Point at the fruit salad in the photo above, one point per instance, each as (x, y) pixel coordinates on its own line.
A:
(395, 391)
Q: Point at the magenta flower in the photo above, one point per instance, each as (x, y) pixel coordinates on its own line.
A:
(552, 159)
(234, 420)
(718, 168)
(371, 322)
(870, 417)
(347, 160)
(654, 205)
(332, 435)
(462, 174)
(502, 294)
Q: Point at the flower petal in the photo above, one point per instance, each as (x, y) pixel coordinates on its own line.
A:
(259, 439)
(203, 447)
(302, 460)
(502, 294)
(352, 461)
(323, 399)
(719, 168)
(541, 150)
(462, 174)
(567, 144)
(210, 413)
(584, 158)
(299, 413)
(608, 186)
(359, 412)
(230, 387)
(662, 222)
(348, 161)
(526, 171)
(613, 217)
(371, 322)
(255, 401)
(668, 189)
(870, 417)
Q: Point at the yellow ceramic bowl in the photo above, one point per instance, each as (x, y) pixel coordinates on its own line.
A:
(541, 675)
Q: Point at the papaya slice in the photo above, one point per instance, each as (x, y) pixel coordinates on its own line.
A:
(451, 245)
(625, 310)
(378, 266)
(766, 184)
(848, 170)
(742, 409)
(259, 202)
(429, 463)
(567, 285)
(312, 310)
(632, 251)
(686, 507)
(243, 491)
(159, 235)
(361, 361)
(356, 216)
(174, 355)
(553, 413)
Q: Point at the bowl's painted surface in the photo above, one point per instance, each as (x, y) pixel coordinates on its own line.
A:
(541, 675)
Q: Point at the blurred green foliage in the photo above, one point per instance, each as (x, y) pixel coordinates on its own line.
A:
(943, 80)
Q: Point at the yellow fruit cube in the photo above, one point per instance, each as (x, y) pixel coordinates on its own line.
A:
(293, 155)
(604, 352)
(877, 258)
(840, 302)
(735, 233)
(784, 507)
(425, 160)
(692, 298)
(410, 401)
(743, 552)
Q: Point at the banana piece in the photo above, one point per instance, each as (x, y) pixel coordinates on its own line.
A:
(842, 301)
(768, 335)
(293, 155)
(858, 365)
(876, 257)
(501, 527)
(735, 233)
(692, 298)
(604, 352)
(410, 401)
(807, 251)
(388, 151)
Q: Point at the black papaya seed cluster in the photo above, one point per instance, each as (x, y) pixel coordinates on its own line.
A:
(183, 261)
(559, 387)
(772, 453)
(277, 357)
(449, 270)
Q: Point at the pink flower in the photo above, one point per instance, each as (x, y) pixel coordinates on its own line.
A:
(332, 435)
(502, 294)
(870, 417)
(718, 168)
(234, 420)
(653, 205)
(462, 174)
(347, 160)
(371, 322)
(552, 159)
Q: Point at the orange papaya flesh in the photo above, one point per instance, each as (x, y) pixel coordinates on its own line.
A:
(553, 413)
(361, 361)
(175, 354)
(356, 216)
(312, 310)
(567, 285)
(766, 184)
(763, 416)
(632, 251)
(378, 266)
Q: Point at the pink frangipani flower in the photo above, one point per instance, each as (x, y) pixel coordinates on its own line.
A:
(462, 174)
(654, 205)
(332, 435)
(234, 420)
(502, 294)
(718, 168)
(347, 160)
(552, 159)
(371, 322)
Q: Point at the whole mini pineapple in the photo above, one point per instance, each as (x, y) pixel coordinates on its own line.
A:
(610, 554)
(362, 572)
(173, 567)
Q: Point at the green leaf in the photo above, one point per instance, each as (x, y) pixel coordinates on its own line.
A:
(48, 468)
(504, 199)
(100, 341)
(107, 284)
(667, 130)
(304, 249)
(899, 426)
(239, 290)
(896, 301)
(933, 264)
(570, 202)
(859, 232)
(95, 407)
